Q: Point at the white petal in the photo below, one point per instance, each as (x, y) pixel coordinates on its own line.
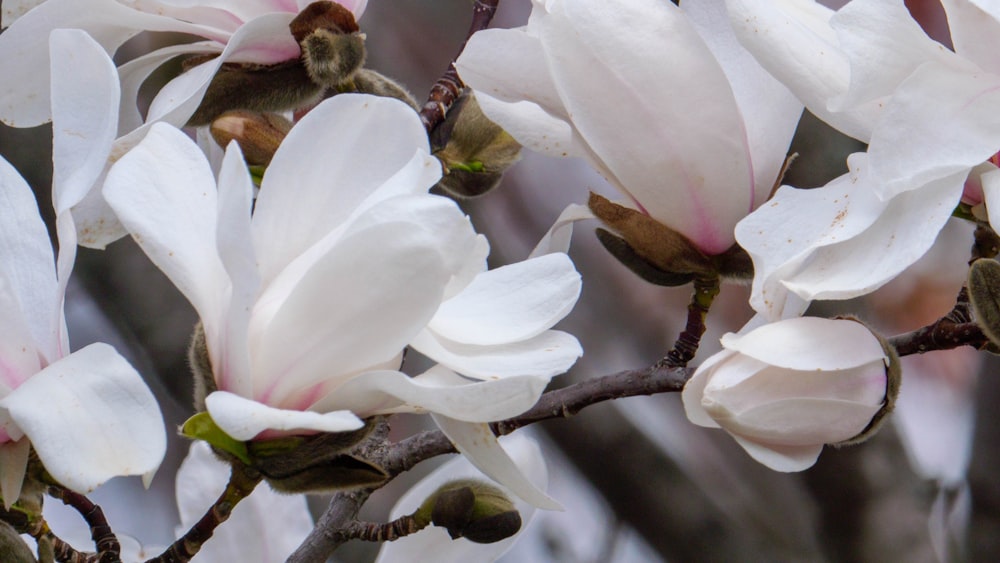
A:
(701, 186)
(694, 389)
(24, 92)
(973, 25)
(434, 544)
(90, 417)
(13, 9)
(438, 390)
(559, 235)
(264, 527)
(478, 444)
(510, 303)
(809, 343)
(549, 354)
(786, 459)
(244, 419)
(13, 463)
(793, 40)
(941, 121)
(321, 173)
(27, 264)
(84, 114)
(164, 193)
(533, 127)
(991, 196)
(799, 422)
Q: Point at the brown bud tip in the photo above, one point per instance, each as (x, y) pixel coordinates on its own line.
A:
(258, 134)
(332, 58)
(323, 15)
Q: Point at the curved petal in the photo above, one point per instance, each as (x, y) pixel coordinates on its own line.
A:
(809, 343)
(510, 303)
(991, 196)
(90, 417)
(478, 444)
(13, 9)
(438, 390)
(942, 120)
(782, 458)
(549, 354)
(560, 234)
(533, 127)
(700, 187)
(264, 527)
(358, 306)
(20, 357)
(793, 40)
(434, 544)
(164, 193)
(974, 27)
(694, 390)
(816, 421)
(24, 92)
(26, 262)
(13, 463)
(244, 419)
(331, 161)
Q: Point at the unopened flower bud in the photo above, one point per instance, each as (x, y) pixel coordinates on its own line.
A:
(333, 48)
(258, 134)
(12, 547)
(368, 81)
(472, 509)
(984, 295)
(785, 389)
(475, 151)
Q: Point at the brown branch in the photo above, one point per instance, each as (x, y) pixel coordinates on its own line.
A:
(330, 530)
(108, 548)
(449, 86)
(684, 350)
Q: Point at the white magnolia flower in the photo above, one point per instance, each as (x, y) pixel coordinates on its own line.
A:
(347, 259)
(245, 31)
(661, 100)
(785, 389)
(433, 543)
(88, 414)
(927, 113)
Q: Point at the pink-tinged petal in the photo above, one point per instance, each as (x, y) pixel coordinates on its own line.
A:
(438, 390)
(511, 303)
(478, 444)
(884, 45)
(331, 161)
(135, 72)
(222, 14)
(792, 344)
(13, 463)
(19, 354)
(549, 354)
(90, 417)
(24, 92)
(770, 111)
(991, 196)
(264, 40)
(560, 234)
(231, 360)
(787, 459)
(357, 306)
(793, 40)
(974, 27)
(265, 526)
(942, 120)
(164, 193)
(434, 544)
(27, 264)
(687, 168)
(694, 390)
(903, 233)
(244, 419)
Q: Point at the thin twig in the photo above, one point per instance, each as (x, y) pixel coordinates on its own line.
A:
(705, 291)
(449, 86)
(329, 532)
(108, 548)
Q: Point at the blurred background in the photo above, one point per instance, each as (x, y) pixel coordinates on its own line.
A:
(640, 483)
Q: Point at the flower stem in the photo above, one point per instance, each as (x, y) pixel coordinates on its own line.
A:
(705, 291)
(390, 531)
(242, 481)
(104, 537)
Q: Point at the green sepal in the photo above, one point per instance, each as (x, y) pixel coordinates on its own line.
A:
(202, 427)
(474, 166)
(257, 173)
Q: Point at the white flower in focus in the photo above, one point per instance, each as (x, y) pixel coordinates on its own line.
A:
(241, 31)
(785, 389)
(88, 415)
(433, 543)
(928, 114)
(307, 307)
(661, 100)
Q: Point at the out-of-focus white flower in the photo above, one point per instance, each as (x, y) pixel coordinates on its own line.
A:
(433, 543)
(242, 31)
(787, 388)
(347, 259)
(928, 114)
(661, 100)
(88, 414)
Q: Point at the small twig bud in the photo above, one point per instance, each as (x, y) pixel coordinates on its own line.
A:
(258, 134)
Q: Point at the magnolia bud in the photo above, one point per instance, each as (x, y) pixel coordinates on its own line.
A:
(472, 509)
(201, 367)
(475, 151)
(785, 389)
(984, 295)
(258, 134)
(257, 88)
(333, 48)
(12, 547)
